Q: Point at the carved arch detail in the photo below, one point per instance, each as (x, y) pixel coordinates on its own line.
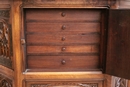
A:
(119, 82)
(5, 39)
(4, 82)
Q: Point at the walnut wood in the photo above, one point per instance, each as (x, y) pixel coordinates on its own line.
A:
(68, 3)
(56, 24)
(16, 23)
(5, 82)
(58, 49)
(51, 15)
(85, 27)
(5, 39)
(118, 52)
(6, 57)
(62, 33)
(72, 63)
(128, 83)
(9, 73)
(39, 39)
(64, 84)
(125, 4)
(108, 81)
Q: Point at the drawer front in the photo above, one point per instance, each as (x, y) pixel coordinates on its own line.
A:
(63, 63)
(71, 28)
(62, 15)
(83, 38)
(62, 49)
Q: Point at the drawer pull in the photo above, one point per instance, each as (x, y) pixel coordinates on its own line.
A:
(63, 27)
(63, 49)
(63, 38)
(63, 14)
(63, 62)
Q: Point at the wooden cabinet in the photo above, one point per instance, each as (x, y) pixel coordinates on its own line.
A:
(63, 43)
(63, 39)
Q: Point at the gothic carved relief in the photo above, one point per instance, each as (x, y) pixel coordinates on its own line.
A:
(4, 82)
(66, 2)
(4, 13)
(119, 82)
(5, 40)
(39, 85)
(66, 85)
(28, 1)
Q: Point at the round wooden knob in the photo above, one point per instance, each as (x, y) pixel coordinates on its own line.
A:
(63, 38)
(63, 49)
(63, 27)
(63, 62)
(63, 14)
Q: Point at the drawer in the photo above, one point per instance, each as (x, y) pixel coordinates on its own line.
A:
(63, 38)
(63, 63)
(62, 49)
(62, 27)
(62, 15)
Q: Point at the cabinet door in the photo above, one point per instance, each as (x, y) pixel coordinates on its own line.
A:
(118, 47)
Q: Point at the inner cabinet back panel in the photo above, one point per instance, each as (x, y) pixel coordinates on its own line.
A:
(62, 39)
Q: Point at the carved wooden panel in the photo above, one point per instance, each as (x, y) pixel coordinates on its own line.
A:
(66, 2)
(4, 13)
(72, 2)
(5, 39)
(119, 82)
(4, 82)
(64, 84)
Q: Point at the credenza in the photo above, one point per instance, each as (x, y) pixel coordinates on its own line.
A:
(64, 43)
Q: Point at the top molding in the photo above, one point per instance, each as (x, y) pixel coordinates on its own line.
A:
(68, 3)
(112, 4)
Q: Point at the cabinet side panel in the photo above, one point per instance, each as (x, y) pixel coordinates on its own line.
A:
(6, 52)
(5, 35)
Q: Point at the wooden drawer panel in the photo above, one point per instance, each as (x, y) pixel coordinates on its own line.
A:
(41, 39)
(63, 49)
(62, 27)
(54, 35)
(62, 15)
(63, 62)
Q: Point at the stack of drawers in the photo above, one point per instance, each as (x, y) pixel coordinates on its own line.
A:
(62, 39)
